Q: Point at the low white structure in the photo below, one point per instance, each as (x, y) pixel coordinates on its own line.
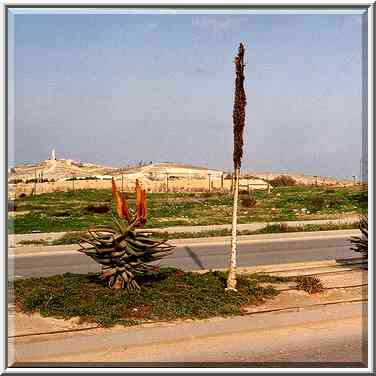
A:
(53, 155)
(179, 170)
(253, 183)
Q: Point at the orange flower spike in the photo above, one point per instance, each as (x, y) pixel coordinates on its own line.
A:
(138, 201)
(121, 204)
(145, 213)
(117, 198)
(114, 189)
(124, 209)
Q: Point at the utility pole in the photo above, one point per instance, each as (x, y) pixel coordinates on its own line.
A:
(209, 181)
(166, 182)
(35, 181)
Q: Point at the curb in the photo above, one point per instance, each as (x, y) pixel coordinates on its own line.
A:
(269, 237)
(293, 266)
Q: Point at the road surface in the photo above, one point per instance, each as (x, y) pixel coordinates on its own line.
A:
(333, 336)
(196, 256)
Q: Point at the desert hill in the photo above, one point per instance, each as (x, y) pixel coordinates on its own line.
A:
(67, 169)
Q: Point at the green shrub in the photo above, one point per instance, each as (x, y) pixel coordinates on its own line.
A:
(310, 284)
(60, 213)
(98, 209)
(360, 244)
(209, 194)
(248, 202)
(335, 202)
(283, 181)
(317, 203)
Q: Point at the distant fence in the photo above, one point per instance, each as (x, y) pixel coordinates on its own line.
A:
(167, 184)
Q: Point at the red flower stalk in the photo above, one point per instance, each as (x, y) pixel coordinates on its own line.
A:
(121, 203)
(141, 209)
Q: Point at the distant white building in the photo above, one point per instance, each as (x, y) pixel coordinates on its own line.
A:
(179, 170)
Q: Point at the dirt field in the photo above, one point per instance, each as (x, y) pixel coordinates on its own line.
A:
(158, 177)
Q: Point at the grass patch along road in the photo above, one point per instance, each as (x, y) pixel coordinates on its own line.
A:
(165, 295)
(79, 210)
(268, 229)
(74, 237)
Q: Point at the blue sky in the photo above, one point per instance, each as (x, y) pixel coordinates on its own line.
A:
(120, 88)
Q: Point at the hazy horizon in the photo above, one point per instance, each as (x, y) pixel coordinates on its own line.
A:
(243, 171)
(118, 88)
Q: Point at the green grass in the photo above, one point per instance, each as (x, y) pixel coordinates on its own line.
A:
(269, 229)
(74, 237)
(35, 242)
(165, 295)
(67, 211)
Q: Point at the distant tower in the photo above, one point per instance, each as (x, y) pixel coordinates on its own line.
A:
(53, 155)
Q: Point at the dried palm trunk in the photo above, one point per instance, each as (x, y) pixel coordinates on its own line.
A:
(238, 124)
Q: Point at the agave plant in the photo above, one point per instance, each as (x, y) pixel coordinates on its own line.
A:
(360, 243)
(124, 252)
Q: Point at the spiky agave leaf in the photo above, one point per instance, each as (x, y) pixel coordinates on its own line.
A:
(124, 251)
(360, 244)
(124, 256)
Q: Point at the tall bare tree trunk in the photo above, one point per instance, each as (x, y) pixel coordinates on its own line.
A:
(231, 279)
(238, 127)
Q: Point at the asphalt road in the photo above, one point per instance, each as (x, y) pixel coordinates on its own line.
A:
(195, 256)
